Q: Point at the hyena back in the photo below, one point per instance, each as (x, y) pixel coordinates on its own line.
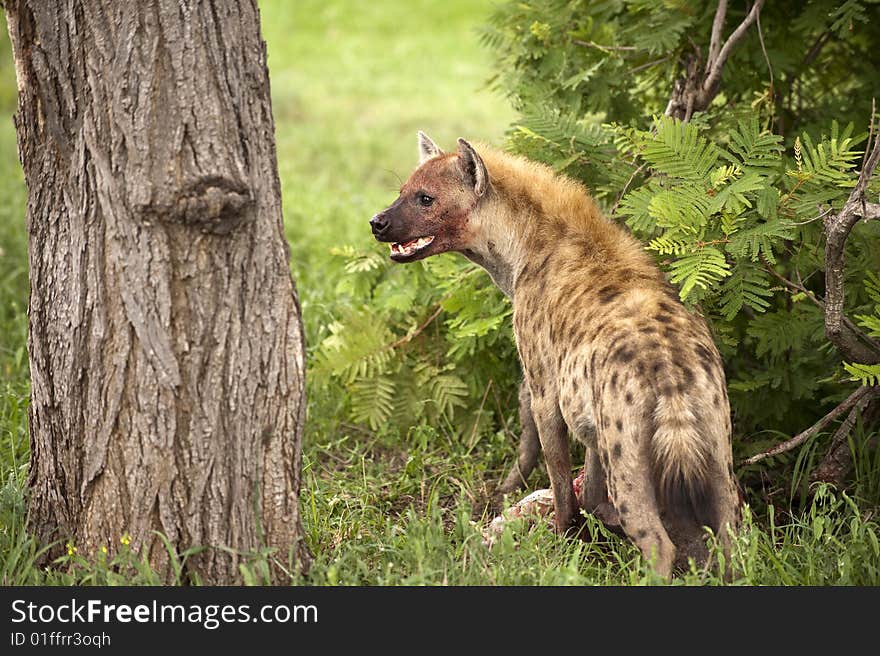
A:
(609, 353)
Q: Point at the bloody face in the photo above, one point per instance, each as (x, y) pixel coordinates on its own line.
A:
(430, 215)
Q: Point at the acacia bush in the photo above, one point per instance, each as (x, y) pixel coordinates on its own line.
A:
(727, 139)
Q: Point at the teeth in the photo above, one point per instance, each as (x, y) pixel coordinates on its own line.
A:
(410, 247)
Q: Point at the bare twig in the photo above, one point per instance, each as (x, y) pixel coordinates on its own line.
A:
(412, 335)
(437, 310)
(848, 404)
(599, 46)
(714, 66)
(717, 27)
(471, 439)
(648, 65)
(838, 460)
(501, 414)
(792, 285)
(799, 287)
(766, 56)
(870, 132)
(357, 428)
(821, 215)
(698, 87)
(626, 187)
(793, 81)
(858, 348)
(813, 52)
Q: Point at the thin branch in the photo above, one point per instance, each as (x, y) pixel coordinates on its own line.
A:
(813, 52)
(715, 65)
(648, 65)
(870, 164)
(799, 287)
(838, 459)
(792, 285)
(847, 424)
(797, 185)
(712, 242)
(626, 187)
(800, 438)
(793, 81)
(354, 427)
(870, 131)
(695, 90)
(501, 415)
(471, 439)
(821, 215)
(717, 27)
(766, 56)
(412, 335)
(598, 46)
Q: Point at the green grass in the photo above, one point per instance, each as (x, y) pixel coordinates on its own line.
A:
(351, 83)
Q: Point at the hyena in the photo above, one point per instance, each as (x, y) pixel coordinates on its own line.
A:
(529, 446)
(609, 353)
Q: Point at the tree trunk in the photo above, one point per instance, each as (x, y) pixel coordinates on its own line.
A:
(165, 341)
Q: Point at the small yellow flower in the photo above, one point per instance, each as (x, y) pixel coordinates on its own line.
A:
(70, 549)
(103, 549)
(125, 539)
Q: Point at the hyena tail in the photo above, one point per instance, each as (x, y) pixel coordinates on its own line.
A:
(682, 459)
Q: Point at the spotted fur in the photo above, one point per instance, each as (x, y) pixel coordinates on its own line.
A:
(610, 354)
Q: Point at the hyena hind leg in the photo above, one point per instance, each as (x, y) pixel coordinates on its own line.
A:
(529, 446)
(632, 492)
(728, 509)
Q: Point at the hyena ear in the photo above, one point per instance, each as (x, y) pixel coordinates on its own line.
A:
(427, 148)
(472, 167)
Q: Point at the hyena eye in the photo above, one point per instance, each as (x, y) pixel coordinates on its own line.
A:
(426, 200)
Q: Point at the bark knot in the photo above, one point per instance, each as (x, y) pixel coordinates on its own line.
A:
(212, 204)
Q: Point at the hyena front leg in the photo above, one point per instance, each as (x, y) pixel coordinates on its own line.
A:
(529, 445)
(553, 434)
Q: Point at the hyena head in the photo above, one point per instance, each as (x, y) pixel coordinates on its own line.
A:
(431, 214)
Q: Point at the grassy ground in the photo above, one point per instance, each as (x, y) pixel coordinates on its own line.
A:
(352, 82)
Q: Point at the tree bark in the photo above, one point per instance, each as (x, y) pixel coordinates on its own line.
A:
(165, 341)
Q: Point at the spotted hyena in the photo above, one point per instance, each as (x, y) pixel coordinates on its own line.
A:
(609, 353)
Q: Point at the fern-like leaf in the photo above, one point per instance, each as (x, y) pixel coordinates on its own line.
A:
(747, 285)
(753, 149)
(679, 151)
(372, 400)
(355, 348)
(760, 239)
(701, 269)
(866, 374)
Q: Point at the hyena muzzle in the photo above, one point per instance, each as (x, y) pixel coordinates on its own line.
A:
(609, 353)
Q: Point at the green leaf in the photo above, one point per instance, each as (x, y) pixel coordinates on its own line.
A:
(866, 374)
(733, 197)
(760, 239)
(702, 269)
(678, 150)
(747, 285)
(372, 400)
(753, 149)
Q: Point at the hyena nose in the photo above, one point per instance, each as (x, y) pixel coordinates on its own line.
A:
(379, 224)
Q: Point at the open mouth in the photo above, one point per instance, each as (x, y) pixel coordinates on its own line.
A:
(410, 248)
